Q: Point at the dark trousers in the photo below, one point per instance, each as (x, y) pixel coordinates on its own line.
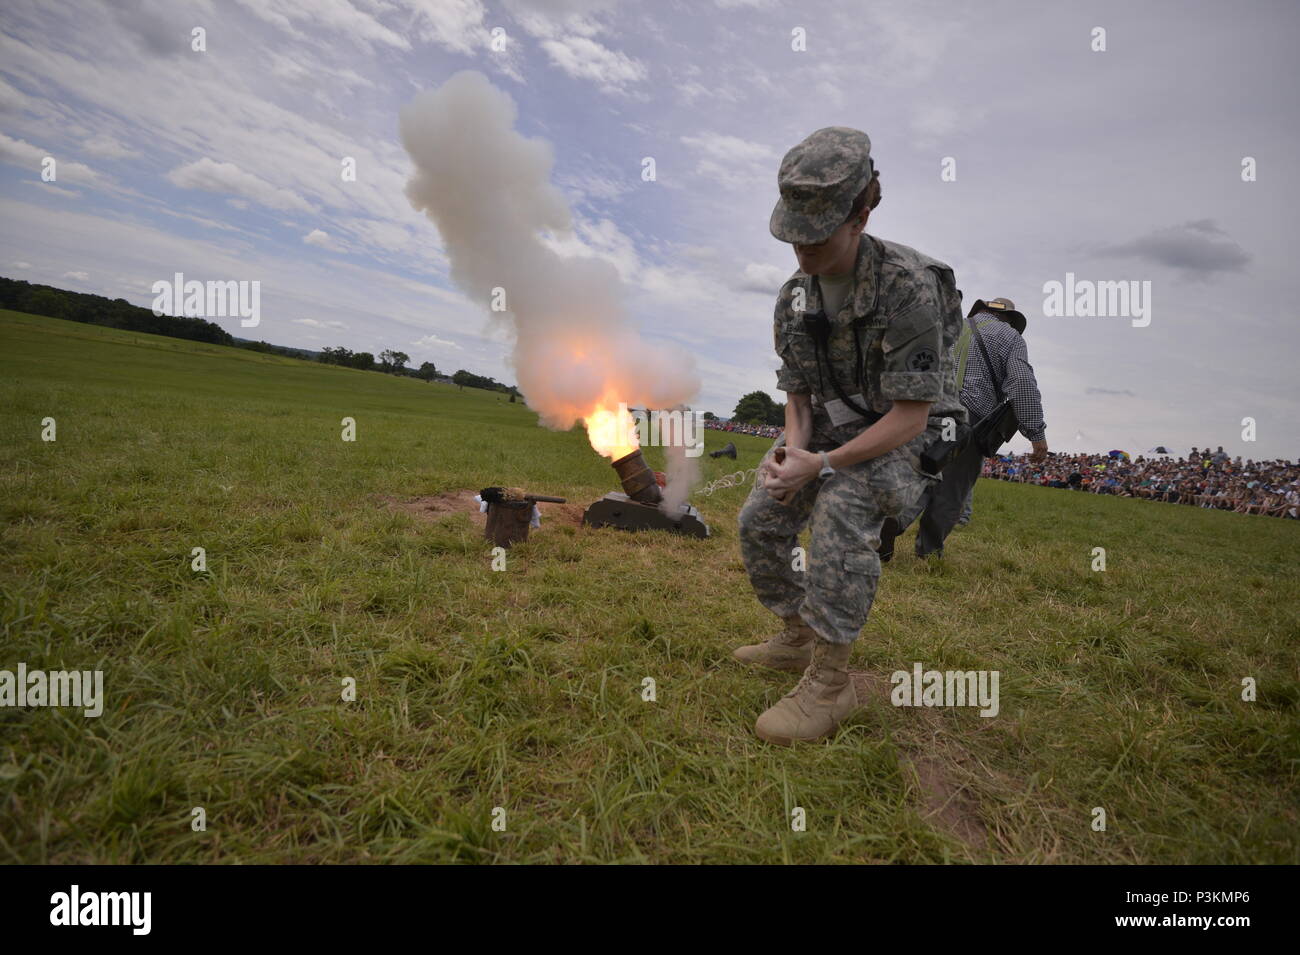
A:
(941, 505)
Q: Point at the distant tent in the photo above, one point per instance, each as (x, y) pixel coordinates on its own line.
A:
(1159, 449)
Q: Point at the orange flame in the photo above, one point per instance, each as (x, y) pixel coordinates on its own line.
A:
(611, 429)
(580, 376)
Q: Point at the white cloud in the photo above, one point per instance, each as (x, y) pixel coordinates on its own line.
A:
(321, 238)
(692, 90)
(300, 66)
(211, 176)
(339, 16)
(57, 190)
(313, 323)
(231, 109)
(601, 239)
(433, 341)
(78, 276)
(106, 147)
(13, 100)
(733, 162)
(551, 18)
(161, 28)
(907, 49)
(944, 122)
(18, 152)
(730, 148)
(456, 25)
(590, 186)
(585, 59)
(764, 278)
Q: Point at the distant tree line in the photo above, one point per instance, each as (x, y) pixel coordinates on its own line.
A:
(348, 358)
(299, 353)
(112, 313)
(391, 362)
(22, 296)
(465, 379)
(394, 363)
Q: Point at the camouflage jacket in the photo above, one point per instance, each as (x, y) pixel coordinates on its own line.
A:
(906, 312)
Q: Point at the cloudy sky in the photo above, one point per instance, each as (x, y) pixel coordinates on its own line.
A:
(1117, 165)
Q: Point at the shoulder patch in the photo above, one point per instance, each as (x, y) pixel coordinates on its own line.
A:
(922, 359)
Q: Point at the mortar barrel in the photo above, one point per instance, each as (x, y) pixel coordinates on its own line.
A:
(637, 479)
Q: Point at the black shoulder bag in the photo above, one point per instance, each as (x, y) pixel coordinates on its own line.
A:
(989, 433)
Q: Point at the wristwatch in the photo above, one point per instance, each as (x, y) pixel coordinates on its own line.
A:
(826, 470)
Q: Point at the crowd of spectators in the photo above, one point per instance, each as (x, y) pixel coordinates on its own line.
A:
(737, 427)
(1204, 478)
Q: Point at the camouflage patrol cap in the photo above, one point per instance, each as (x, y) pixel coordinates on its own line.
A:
(819, 179)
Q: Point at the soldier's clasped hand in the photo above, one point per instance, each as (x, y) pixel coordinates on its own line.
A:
(784, 479)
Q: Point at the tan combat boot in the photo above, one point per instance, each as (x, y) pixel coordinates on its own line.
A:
(789, 650)
(819, 701)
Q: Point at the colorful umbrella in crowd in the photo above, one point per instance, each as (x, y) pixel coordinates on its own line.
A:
(1116, 453)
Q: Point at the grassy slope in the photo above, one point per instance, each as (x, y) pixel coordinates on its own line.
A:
(522, 689)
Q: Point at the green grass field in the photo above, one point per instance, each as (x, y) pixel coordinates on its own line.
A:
(522, 689)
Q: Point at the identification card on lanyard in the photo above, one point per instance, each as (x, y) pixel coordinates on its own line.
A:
(841, 414)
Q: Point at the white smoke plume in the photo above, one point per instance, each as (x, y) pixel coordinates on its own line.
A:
(682, 474)
(487, 188)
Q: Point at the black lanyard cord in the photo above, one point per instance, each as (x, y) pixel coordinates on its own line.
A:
(819, 326)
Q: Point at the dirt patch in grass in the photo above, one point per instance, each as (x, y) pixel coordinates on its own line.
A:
(947, 803)
(556, 515)
(435, 507)
(870, 685)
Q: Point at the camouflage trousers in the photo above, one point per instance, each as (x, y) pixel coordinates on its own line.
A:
(834, 588)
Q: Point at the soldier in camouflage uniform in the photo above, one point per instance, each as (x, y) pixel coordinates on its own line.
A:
(869, 382)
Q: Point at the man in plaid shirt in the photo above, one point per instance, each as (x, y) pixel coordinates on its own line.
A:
(940, 507)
